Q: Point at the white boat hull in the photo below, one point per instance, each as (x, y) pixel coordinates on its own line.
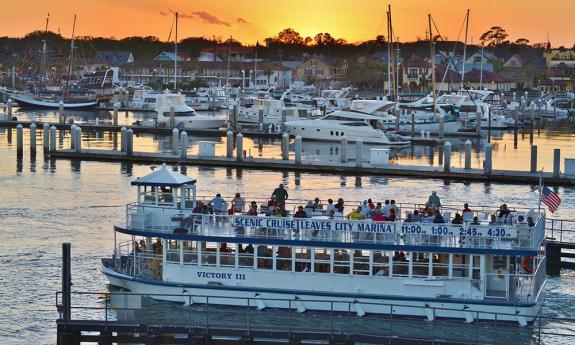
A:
(322, 301)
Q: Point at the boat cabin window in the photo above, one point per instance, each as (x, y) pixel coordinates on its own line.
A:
(190, 252)
(355, 124)
(401, 264)
(341, 261)
(173, 251)
(360, 262)
(227, 255)
(302, 259)
(284, 259)
(322, 260)
(209, 253)
(420, 265)
(460, 266)
(265, 257)
(245, 255)
(380, 265)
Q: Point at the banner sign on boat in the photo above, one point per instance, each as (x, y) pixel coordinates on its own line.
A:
(485, 231)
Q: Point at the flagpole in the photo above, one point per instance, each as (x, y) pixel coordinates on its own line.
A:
(540, 188)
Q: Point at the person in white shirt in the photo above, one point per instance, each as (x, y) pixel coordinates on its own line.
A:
(386, 208)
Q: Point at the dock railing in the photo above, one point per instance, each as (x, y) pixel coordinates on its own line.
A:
(248, 319)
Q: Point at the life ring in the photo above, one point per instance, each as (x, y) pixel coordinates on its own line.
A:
(527, 264)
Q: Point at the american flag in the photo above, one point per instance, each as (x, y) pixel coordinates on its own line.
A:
(550, 198)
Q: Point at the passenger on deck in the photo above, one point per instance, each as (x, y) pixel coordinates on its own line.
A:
(339, 206)
(355, 214)
(277, 212)
(330, 206)
(143, 246)
(530, 222)
(137, 248)
(224, 248)
(158, 246)
(238, 203)
(378, 208)
(433, 201)
(393, 206)
(438, 218)
(365, 211)
(416, 216)
(392, 217)
(249, 249)
(272, 202)
(300, 213)
(331, 213)
(370, 204)
(281, 196)
(493, 220)
(475, 221)
(503, 211)
(317, 205)
(466, 208)
(200, 208)
(377, 216)
(386, 208)
(253, 211)
(218, 204)
(398, 256)
(457, 219)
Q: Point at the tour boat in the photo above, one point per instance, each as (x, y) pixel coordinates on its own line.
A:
(433, 271)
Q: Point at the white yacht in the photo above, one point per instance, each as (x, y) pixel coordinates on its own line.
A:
(332, 100)
(199, 100)
(352, 125)
(275, 111)
(144, 99)
(480, 270)
(185, 117)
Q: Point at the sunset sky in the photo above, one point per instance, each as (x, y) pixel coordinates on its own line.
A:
(251, 20)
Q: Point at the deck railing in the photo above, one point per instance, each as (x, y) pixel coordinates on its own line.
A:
(500, 235)
(109, 309)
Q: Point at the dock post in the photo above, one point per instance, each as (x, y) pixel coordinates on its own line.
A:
(172, 117)
(447, 157)
(66, 283)
(46, 136)
(130, 142)
(116, 109)
(514, 96)
(261, 117)
(78, 139)
(468, 154)
(556, 162)
(97, 121)
(127, 100)
(478, 121)
(9, 109)
(298, 149)
(553, 259)
(33, 137)
(123, 139)
(53, 139)
(175, 140)
(533, 158)
(235, 111)
(285, 146)
(61, 118)
(343, 149)
(441, 127)
(184, 145)
(488, 163)
(230, 144)
(358, 152)
(19, 139)
(240, 147)
(73, 137)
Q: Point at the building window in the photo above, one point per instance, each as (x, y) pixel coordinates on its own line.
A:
(413, 73)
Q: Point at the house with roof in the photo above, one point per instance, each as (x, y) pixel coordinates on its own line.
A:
(171, 56)
(115, 60)
(321, 71)
(414, 75)
(561, 69)
(478, 79)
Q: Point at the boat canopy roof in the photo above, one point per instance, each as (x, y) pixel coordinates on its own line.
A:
(164, 177)
(371, 106)
(342, 115)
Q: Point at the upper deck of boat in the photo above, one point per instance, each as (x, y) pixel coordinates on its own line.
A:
(502, 237)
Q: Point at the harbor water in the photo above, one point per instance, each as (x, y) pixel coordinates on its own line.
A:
(45, 203)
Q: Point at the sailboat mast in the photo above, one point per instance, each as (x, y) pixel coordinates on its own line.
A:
(389, 86)
(481, 70)
(71, 57)
(465, 48)
(44, 62)
(229, 52)
(176, 57)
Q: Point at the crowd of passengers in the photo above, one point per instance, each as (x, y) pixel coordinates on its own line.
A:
(388, 211)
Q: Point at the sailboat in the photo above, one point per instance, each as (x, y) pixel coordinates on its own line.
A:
(39, 97)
